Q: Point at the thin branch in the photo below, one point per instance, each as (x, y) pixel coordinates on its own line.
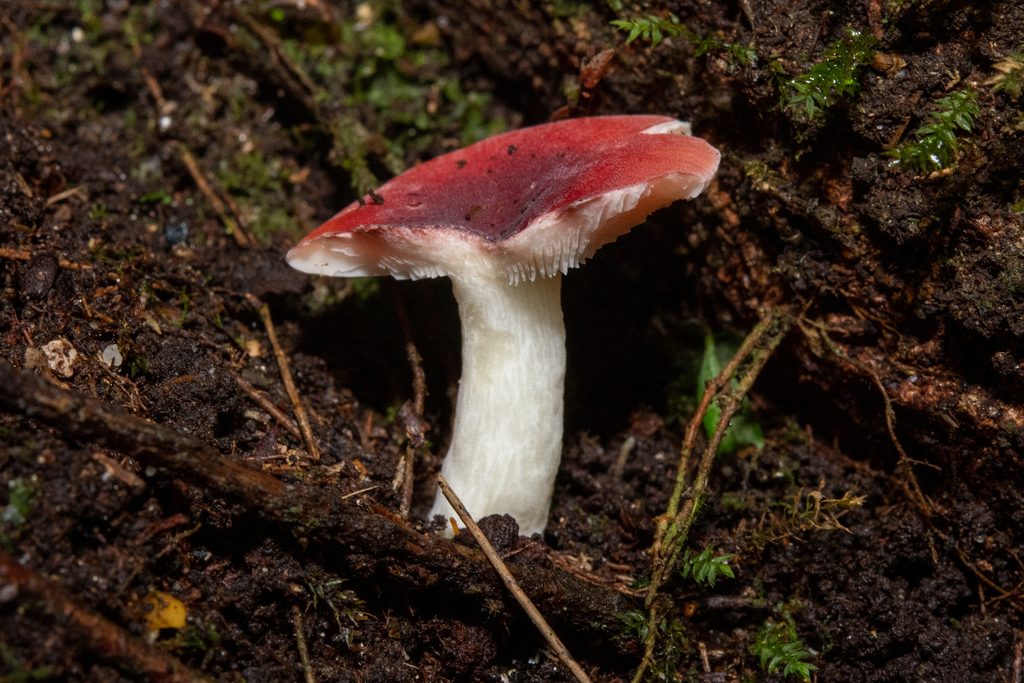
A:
(300, 639)
(263, 402)
(234, 228)
(419, 378)
(289, 385)
(510, 582)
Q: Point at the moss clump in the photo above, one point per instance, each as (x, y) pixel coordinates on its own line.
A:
(778, 648)
(837, 75)
(936, 142)
(655, 29)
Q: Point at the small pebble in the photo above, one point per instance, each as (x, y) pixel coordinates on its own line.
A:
(111, 356)
(36, 277)
(176, 232)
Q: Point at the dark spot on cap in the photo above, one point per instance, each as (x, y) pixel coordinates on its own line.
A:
(461, 162)
(490, 170)
(511, 149)
(473, 211)
(377, 199)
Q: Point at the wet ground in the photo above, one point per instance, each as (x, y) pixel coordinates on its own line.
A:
(157, 160)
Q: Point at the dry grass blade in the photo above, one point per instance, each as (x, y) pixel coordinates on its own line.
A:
(506, 577)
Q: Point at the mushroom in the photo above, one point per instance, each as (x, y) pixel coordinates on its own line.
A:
(505, 218)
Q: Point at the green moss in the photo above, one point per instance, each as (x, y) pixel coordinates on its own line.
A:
(704, 568)
(778, 648)
(835, 76)
(654, 29)
(20, 496)
(650, 28)
(936, 143)
(401, 94)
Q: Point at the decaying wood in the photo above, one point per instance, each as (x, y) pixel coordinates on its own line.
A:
(412, 559)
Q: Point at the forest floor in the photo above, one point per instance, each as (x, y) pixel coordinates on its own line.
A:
(166, 519)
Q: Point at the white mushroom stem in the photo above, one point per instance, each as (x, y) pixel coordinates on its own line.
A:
(507, 438)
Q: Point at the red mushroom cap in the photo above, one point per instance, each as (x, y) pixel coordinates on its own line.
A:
(489, 195)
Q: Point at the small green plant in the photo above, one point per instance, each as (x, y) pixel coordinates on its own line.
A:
(98, 212)
(835, 76)
(704, 568)
(936, 141)
(777, 647)
(671, 639)
(655, 29)
(744, 429)
(19, 502)
(734, 52)
(1010, 78)
(341, 602)
(157, 197)
(650, 28)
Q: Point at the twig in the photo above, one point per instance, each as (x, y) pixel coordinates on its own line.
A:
(356, 493)
(419, 378)
(510, 582)
(263, 402)
(101, 638)
(79, 191)
(624, 451)
(277, 55)
(234, 228)
(114, 469)
(289, 385)
(407, 482)
(15, 254)
(674, 525)
(20, 255)
(414, 427)
(307, 670)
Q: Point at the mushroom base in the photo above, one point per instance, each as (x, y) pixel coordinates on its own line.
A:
(507, 436)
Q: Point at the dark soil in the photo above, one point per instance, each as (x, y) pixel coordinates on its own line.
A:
(157, 160)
